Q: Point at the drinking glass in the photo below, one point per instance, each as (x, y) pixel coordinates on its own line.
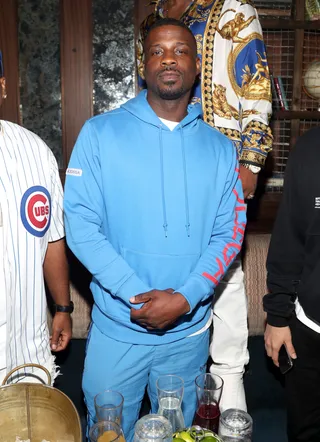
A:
(170, 394)
(209, 388)
(235, 426)
(153, 428)
(108, 405)
(106, 431)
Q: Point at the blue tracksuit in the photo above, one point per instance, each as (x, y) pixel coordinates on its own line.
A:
(146, 208)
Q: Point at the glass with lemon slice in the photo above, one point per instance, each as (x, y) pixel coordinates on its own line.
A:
(196, 434)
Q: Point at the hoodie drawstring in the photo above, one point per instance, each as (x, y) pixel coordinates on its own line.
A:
(164, 210)
(186, 198)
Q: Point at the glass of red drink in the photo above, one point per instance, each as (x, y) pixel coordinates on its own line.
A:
(209, 388)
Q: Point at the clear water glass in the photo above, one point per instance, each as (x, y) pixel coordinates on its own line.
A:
(170, 394)
(153, 428)
(108, 405)
(235, 426)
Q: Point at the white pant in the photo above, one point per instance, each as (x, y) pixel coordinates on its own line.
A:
(228, 347)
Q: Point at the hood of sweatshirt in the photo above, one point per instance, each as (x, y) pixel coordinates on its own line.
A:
(140, 108)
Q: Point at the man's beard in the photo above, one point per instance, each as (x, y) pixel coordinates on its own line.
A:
(171, 94)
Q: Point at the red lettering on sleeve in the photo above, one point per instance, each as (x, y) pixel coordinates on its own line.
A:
(239, 200)
(232, 247)
(228, 259)
(220, 272)
(238, 228)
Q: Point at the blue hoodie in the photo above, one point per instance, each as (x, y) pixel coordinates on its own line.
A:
(149, 208)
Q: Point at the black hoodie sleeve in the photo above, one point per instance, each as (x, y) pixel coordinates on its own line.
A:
(286, 251)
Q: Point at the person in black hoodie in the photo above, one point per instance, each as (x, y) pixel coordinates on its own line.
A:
(293, 302)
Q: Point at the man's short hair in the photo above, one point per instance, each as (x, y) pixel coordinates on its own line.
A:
(169, 22)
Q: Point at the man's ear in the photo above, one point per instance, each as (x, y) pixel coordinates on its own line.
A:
(198, 64)
(3, 87)
(142, 71)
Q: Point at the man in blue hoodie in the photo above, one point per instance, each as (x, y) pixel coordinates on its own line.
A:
(154, 209)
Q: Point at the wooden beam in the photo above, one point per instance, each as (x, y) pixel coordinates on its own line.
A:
(142, 10)
(300, 7)
(295, 132)
(297, 78)
(76, 70)
(275, 23)
(10, 50)
(298, 114)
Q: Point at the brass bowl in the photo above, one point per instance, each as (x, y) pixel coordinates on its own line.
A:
(37, 412)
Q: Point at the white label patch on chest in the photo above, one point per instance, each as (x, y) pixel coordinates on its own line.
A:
(74, 172)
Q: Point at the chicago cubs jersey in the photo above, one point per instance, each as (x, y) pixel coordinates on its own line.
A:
(31, 215)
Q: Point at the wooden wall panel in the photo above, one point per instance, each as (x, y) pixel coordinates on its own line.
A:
(142, 9)
(10, 50)
(76, 70)
(297, 78)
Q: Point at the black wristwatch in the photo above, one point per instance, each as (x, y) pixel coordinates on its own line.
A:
(64, 308)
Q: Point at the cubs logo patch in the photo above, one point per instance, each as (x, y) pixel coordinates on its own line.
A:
(35, 210)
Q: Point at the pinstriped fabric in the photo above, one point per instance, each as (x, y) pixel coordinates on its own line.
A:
(31, 207)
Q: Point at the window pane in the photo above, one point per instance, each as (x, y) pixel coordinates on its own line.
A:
(114, 55)
(39, 60)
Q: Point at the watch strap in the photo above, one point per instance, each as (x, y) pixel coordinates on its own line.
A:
(64, 308)
(251, 167)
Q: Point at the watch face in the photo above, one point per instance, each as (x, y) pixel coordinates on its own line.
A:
(254, 169)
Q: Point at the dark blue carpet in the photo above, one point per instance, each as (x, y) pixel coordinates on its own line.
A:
(265, 395)
(263, 384)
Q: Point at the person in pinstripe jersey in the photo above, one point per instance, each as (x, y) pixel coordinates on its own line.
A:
(32, 248)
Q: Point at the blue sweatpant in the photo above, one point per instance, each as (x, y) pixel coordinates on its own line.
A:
(130, 368)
